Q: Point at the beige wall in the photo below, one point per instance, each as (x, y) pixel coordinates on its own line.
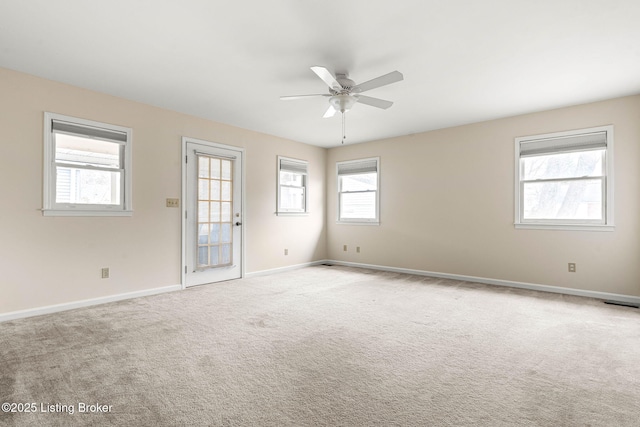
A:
(55, 260)
(447, 205)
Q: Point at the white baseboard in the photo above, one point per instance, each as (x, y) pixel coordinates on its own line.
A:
(38, 311)
(530, 286)
(283, 269)
(13, 315)
(4, 317)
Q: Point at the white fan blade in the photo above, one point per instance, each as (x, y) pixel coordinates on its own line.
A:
(387, 79)
(374, 102)
(289, 98)
(327, 77)
(330, 112)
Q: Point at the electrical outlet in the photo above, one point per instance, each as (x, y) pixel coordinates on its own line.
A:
(173, 203)
(286, 251)
(358, 249)
(572, 267)
(344, 248)
(105, 273)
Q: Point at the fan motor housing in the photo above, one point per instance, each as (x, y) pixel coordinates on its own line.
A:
(344, 81)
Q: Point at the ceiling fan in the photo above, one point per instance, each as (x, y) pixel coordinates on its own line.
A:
(344, 93)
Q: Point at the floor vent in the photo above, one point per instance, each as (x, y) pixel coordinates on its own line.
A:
(622, 303)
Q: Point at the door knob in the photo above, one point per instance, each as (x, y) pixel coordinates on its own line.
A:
(238, 223)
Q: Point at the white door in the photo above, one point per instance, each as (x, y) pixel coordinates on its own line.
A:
(212, 212)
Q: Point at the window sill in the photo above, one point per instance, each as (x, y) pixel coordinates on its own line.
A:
(292, 213)
(358, 222)
(566, 227)
(80, 212)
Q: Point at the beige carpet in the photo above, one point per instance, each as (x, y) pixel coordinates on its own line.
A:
(329, 346)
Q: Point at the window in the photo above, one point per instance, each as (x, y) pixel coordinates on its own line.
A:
(87, 167)
(565, 180)
(358, 198)
(292, 186)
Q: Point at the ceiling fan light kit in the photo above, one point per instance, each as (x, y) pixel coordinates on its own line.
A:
(344, 93)
(342, 103)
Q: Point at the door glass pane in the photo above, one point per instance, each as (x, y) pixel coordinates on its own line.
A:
(203, 212)
(203, 234)
(215, 208)
(203, 189)
(226, 190)
(226, 233)
(203, 255)
(215, 189)
(213, 256)
(226, 254)
(203, 167)
(215, 168)
(215, 233)
(215, 211)
(226, 212)
(226, 169)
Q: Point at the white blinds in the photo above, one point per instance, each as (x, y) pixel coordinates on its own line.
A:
(88, 131)
(587, 141)
(358, 167)
(287, 165)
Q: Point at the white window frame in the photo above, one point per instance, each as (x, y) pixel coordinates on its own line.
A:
(607, 224)
(49, 205)
(296, 166)
(358, 221)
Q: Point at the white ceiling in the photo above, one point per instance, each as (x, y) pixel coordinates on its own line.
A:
(463, 61)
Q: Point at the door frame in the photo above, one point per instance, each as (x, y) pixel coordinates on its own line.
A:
(241, 151)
